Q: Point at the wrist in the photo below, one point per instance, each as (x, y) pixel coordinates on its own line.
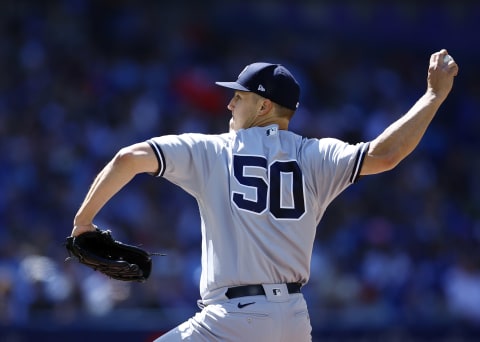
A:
(435, 96)
(79, 229)
(81, 220)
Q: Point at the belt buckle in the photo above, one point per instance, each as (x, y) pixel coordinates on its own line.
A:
(276, 292)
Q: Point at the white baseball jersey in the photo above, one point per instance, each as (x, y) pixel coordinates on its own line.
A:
(261, 193)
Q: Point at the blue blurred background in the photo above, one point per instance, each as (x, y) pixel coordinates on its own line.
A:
(396, 256)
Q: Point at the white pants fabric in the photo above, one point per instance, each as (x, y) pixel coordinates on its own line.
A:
(251, 318)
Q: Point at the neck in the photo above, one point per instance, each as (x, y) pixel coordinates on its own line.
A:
(282, 123)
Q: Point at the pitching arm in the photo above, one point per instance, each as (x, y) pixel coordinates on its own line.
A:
(127, 163)
(403, 136)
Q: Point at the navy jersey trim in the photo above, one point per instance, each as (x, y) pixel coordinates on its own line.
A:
(360, 157)
(160, 157)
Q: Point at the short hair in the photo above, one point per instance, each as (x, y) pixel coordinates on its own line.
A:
(283, 112)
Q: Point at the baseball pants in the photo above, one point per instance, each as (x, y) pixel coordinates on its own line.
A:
(250, 318)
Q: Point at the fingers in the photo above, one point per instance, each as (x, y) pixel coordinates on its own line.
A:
(444, 61)
(441, 73)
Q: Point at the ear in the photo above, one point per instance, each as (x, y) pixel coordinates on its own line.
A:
(265, 106)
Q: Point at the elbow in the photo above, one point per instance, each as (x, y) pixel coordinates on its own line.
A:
(394, 156)
(378, 163)
(384, 156)
(135, 159)
(125, 160)
(124, 156)
(389, 162)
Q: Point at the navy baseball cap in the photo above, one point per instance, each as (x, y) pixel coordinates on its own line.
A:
(272, 81)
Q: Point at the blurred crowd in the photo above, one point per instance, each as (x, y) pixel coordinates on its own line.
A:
(82, 78)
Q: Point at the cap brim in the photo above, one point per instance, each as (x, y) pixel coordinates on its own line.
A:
(232, 85)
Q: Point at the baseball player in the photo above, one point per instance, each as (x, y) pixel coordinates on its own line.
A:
(261, 191)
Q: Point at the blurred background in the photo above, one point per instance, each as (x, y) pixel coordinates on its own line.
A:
(396, 255)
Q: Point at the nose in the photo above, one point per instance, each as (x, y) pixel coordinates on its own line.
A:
(231, 104)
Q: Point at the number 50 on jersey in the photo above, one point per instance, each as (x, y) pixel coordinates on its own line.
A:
(281, 192)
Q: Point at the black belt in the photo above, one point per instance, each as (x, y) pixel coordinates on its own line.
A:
(257, 290)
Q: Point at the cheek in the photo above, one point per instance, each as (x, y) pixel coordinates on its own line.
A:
(244, 116)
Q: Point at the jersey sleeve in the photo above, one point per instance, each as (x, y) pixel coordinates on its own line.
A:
(184, 159)
(359, 158)
(334, 165)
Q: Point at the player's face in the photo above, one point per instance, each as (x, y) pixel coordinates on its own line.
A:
(244, 106)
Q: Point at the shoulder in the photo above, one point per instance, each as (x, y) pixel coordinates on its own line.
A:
(331, 149)
(323, 144)
(192, 139)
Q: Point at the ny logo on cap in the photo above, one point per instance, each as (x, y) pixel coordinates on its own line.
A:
(261, 88)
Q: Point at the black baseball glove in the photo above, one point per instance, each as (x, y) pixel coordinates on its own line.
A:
(99, 251)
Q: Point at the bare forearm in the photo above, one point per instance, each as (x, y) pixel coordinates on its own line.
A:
(127, 163)
(108, 182)
(403, 136)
